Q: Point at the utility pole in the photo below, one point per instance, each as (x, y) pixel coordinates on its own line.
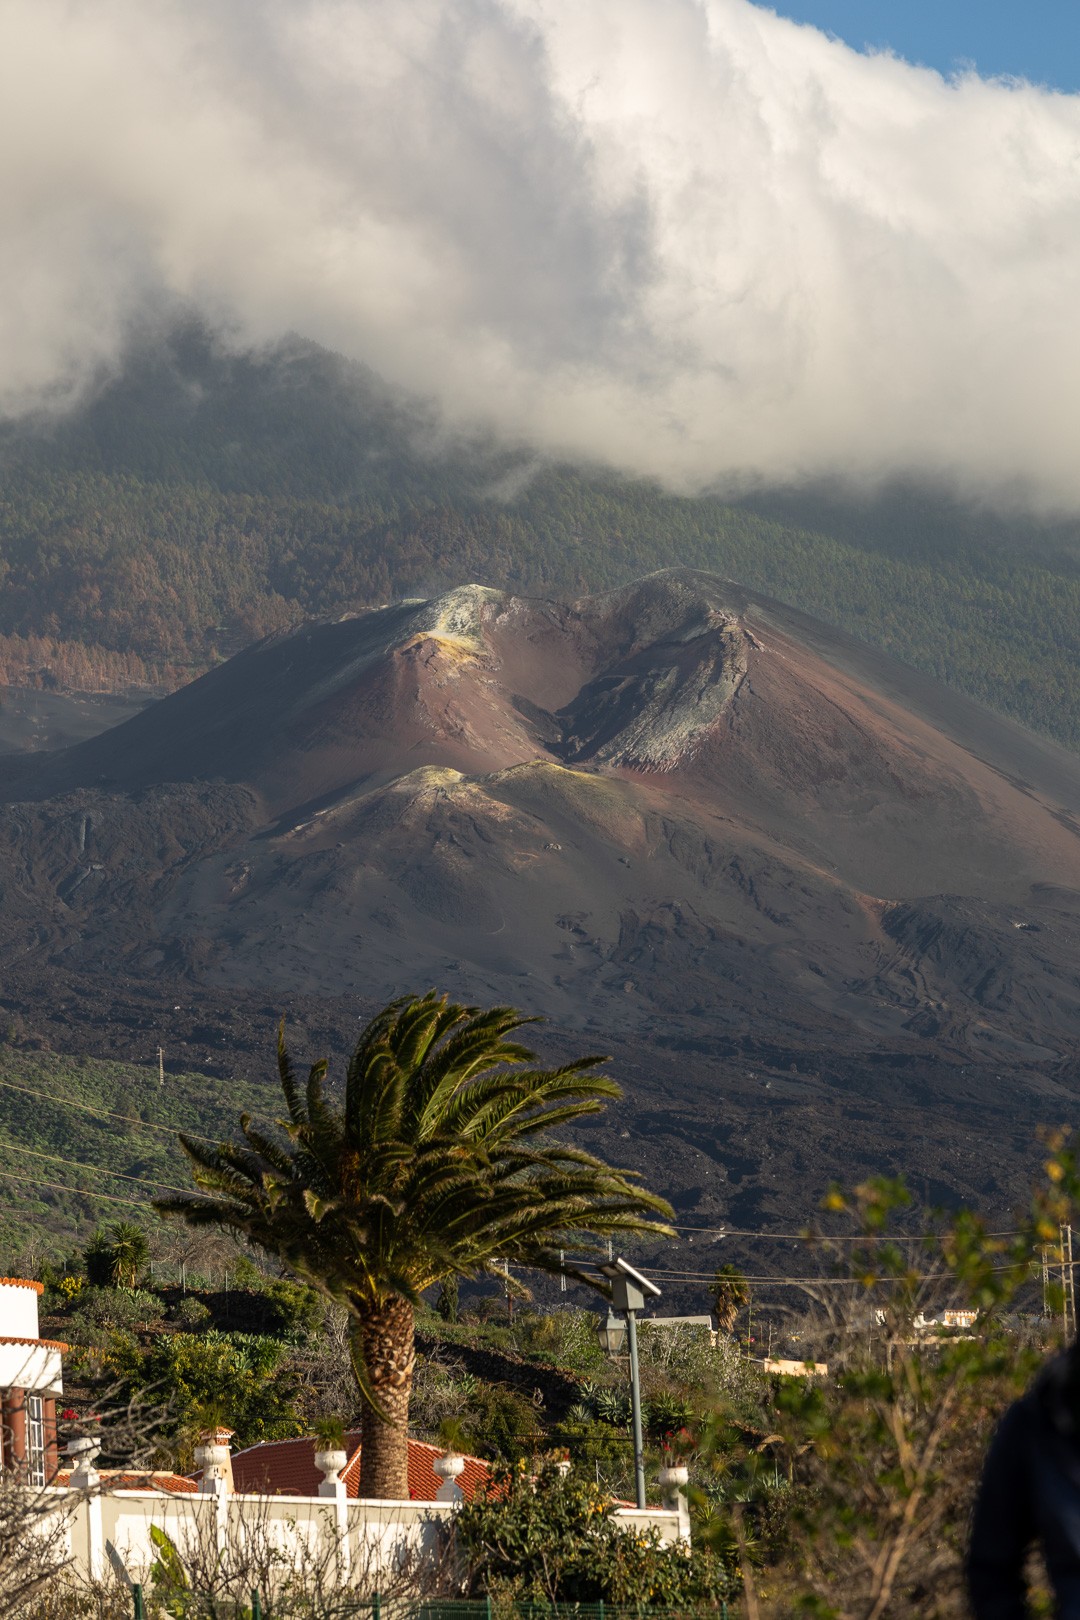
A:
(161, 1066)
(1068, 1288)
(635, 1411)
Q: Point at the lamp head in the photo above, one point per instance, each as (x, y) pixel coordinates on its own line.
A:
(629, 1288)
(612, 1334)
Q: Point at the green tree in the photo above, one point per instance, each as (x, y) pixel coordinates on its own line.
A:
(730, 1294)
(446, 1302)
(240, 1379)
(130, 1252)
(438, 1163)
(114, 1258)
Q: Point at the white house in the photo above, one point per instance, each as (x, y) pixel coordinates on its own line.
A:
(31, 1377)
(288, 1497)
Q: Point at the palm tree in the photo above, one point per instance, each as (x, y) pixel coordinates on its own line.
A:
(115, 1258)
(438, 1164)
(730, 1292)
(130, 1252)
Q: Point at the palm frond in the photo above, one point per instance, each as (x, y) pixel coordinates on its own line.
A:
(291, 1090)
(441, 1160)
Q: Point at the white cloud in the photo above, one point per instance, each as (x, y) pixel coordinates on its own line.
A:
(686, 237)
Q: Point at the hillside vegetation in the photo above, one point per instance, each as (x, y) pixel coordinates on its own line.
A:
(108, 1128)
(201, 502)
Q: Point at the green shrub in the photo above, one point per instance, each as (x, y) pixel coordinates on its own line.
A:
(667, 1415)
(191, 1313)
(568, 1338)
(554, 1540)
(687, 1358)
(105, 1308)
(591, 1442)
(234, 1378)
(500, 1422)
(246, 1274)
(298, 1309)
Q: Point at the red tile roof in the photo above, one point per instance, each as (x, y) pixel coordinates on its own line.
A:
(49, 1344)
(119, 1479)
(287, 1468)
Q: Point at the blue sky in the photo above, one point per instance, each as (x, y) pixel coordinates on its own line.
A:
(1034, 39)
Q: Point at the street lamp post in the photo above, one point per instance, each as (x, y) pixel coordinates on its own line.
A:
(628, 1293)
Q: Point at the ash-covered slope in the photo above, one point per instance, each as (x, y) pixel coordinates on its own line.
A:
(677, 810)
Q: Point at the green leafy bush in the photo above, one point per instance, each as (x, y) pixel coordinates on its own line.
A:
(500, 1422)
(298, 1308)
(234, 1378)
(107, 1308)
(554, 1540)
(191, 1313)
(591, 1442)
(568, 1338)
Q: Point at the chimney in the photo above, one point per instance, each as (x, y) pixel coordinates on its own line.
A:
(214, 1458)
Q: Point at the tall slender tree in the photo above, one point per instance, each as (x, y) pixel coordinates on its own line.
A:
(438, 1162)
(731, 1294)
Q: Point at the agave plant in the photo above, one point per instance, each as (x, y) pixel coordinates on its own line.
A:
(612, 1406)
(438, 1162)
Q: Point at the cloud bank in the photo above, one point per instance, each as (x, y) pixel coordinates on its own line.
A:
(684, 237)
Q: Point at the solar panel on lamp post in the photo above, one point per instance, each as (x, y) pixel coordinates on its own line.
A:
(628, 1293)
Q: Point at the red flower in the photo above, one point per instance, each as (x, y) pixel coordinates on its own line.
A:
(69, 1414)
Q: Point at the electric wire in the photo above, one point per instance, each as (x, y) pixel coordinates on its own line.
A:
(78, 1192)
(674, 1275)
(94, 1169)
(720, 1230)
(105, 1113)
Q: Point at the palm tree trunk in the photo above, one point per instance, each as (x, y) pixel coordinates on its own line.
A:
(384, 1338)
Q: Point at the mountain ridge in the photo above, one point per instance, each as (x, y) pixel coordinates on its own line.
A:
(662, 774)
(200, 499)
(821, 911)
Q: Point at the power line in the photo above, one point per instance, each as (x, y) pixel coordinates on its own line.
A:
(798, 1282)
(722, 1231)
(95, 1169)
(719, 1231)
(78, 1192)
(674, 1276)
(105, 1113)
